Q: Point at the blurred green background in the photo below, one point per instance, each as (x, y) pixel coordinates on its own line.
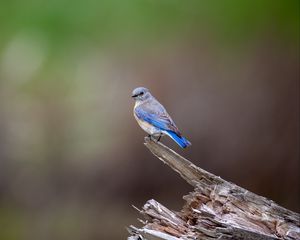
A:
(71, 155)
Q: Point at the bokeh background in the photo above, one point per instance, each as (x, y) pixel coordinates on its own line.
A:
(72, 160)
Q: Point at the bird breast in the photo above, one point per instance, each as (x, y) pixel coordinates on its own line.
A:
(147, 127)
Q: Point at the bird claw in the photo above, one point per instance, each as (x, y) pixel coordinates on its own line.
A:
(152, 138)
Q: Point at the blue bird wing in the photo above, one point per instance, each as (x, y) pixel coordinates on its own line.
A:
(156, 115)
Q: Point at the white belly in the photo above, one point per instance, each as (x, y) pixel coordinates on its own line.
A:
(147, 127)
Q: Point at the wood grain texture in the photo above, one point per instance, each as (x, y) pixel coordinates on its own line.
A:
(216, 209)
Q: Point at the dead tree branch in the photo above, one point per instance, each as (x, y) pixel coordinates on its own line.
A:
(216, 209)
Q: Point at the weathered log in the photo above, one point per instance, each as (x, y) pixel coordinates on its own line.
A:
(216, 209)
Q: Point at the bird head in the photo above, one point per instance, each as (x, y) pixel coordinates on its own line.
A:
(140, 94)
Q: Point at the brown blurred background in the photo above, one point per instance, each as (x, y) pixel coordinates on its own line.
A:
(72, 160)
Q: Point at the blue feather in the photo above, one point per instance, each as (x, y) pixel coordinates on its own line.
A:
(152, 119)
(181, 141)
(163, 124)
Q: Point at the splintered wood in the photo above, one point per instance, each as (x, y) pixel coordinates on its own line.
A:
(216, 209)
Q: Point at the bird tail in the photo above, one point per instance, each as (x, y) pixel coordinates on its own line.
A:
(181, 141)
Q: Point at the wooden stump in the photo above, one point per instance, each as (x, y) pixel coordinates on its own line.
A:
(216, 209)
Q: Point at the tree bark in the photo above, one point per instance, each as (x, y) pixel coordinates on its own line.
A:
(216, 209)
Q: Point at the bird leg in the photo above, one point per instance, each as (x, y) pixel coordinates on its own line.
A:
(152, 137)
(159, 137)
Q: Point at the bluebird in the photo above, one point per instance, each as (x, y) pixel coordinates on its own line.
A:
(153, 117)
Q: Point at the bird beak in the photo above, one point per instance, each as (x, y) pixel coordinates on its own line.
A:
(133, 96)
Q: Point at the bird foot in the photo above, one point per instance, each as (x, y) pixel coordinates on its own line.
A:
(159, 138)
(153, 138)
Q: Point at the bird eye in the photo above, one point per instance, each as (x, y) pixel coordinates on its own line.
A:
(142, 93)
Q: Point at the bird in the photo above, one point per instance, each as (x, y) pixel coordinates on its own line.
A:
(154, 119)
